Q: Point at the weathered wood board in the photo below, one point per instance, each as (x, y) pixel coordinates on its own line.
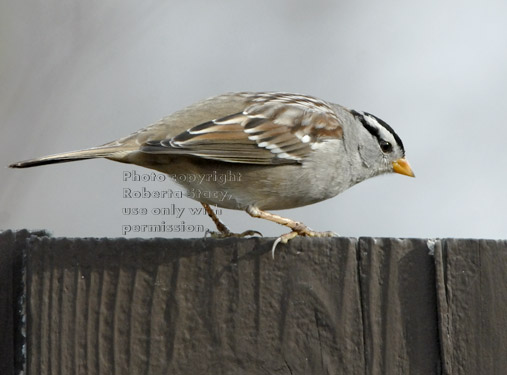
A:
(207, 306)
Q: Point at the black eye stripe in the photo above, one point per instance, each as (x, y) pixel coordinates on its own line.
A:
(374, 131)
(389, 129)
(371, 129)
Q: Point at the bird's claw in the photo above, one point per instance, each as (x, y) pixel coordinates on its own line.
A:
(228, 234)
(300, 231)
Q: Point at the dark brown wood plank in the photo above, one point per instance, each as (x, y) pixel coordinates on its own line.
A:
(7, 303)
(12, 298)
(323, 306)
(399, 306)
(194, 307)
(472, 290)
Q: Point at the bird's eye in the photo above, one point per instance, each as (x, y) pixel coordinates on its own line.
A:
(386, 146)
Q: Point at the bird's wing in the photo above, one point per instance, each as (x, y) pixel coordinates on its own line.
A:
(273, 128)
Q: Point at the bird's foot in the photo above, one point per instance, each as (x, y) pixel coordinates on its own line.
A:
(299, 230)
(223, 231)
(228, 233)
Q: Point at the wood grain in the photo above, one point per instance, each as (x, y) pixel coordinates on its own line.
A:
(472, 298)
(206, 306)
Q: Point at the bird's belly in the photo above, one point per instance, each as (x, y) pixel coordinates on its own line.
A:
(237, 186)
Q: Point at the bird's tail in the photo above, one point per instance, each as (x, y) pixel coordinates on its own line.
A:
(89, 153)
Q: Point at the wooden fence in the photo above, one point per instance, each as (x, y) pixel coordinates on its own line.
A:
(206, 306)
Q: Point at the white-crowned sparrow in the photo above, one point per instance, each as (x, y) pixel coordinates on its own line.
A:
(284, 151)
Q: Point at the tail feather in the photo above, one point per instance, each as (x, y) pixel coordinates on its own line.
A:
(90, 153)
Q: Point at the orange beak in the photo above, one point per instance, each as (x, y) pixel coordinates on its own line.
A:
(401, 166)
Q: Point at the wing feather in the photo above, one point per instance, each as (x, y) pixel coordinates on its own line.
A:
(273, 128)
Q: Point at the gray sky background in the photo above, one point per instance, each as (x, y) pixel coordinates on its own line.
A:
(79, 74)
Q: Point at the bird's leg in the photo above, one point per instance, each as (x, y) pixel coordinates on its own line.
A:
(298, 228)
(223, 231)
(222, 228)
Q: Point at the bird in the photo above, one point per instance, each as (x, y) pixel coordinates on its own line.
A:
(285, 150)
